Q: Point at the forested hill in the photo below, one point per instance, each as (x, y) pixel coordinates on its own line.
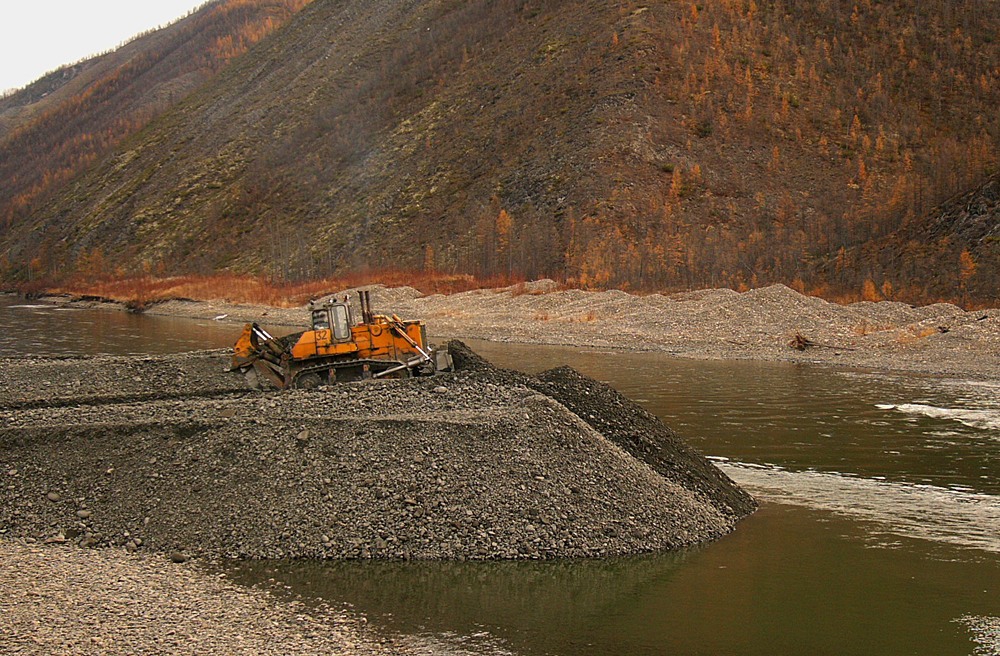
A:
(636, 144)
(67, 120)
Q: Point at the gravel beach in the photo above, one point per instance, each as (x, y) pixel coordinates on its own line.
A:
(720, 324)
(63, 600)
(141, 464)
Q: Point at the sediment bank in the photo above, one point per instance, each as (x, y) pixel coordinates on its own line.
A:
(708, 324)
(64, 600)
(174, 454)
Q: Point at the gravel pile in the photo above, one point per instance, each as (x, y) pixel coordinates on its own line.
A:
(627, 425)
(480, 464)
(721, 324)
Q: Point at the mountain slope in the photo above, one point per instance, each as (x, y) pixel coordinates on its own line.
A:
(957, 245)
(65, 121)
(661, 144)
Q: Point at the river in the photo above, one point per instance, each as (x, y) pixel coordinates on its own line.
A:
(879, 527)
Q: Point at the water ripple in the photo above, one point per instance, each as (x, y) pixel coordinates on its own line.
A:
(985, 419)
(927, 512)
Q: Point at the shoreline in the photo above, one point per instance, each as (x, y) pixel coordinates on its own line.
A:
(758, 325)
(714, 325)
(110, 601)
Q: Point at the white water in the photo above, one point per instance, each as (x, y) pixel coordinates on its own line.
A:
(981, 418)
(985, 632)
(906, 510)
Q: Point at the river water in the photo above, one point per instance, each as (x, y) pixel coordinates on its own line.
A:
(879, 528)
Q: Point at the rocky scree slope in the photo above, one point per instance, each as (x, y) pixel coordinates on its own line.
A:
(479, 464)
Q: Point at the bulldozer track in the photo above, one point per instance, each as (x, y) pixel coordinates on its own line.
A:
(119, 399)
(375, 365)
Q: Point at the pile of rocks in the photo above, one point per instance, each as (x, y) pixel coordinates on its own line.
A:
(479, 464)
(714, 323)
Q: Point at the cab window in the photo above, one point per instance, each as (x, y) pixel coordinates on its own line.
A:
(320, 320)
(341, 325)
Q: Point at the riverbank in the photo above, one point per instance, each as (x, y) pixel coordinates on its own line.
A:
(982, 625)
(761, 324)
(58, 599)
(175, 454)
(169, 462)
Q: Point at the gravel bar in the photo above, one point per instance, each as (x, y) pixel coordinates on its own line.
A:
(759, 324)
(480, 464)
(62, 600)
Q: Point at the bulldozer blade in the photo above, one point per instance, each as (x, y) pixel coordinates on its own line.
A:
(253, 380)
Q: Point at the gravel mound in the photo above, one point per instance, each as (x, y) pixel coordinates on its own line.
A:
(480, 464)
(627, 425)
(759, 324)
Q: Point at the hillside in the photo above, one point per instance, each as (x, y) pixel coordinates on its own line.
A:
(68, 119)
(956, 248)
(658, 145)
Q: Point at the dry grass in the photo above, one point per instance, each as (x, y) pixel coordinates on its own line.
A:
(866, 328)
(141, 292)
(522, 289)
(915, 333)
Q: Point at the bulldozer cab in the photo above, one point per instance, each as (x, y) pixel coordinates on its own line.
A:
(335, 317)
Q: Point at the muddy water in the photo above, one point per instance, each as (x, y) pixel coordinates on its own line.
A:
(33, 328)
(879, 527)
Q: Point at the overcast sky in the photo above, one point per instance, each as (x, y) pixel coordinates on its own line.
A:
(38, 36)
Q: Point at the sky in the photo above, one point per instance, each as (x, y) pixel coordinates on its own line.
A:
(41, 35)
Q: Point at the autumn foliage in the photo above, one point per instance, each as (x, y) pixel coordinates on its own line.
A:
(825, 130)
(661, 146)
(142, 291)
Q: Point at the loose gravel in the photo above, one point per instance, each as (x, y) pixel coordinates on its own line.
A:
(707, 324)
(479, 464)
(162, 460)
(61, 600)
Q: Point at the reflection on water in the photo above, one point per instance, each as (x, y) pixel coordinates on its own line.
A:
(879, 529)
(42, 329)
(481, 599)
(789, 581)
